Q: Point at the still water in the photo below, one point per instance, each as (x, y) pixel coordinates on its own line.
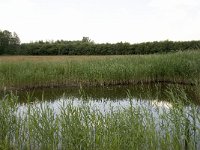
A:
(103, 98)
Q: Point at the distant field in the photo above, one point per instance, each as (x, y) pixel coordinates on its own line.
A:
(48, 71)
(56, 58)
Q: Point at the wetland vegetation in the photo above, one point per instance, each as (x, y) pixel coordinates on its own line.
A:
(21, 72)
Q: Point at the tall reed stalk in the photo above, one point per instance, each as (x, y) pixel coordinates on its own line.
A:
(39, 126)
(180, 67)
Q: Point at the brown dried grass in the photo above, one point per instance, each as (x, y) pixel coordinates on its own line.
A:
(54, 58)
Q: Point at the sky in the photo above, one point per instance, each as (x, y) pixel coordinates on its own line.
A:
(112, 21)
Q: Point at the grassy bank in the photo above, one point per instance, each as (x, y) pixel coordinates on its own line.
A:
(29, 72)
(68, 127)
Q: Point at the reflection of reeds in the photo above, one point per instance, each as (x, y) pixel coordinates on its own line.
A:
(99, 70)
(82, 127)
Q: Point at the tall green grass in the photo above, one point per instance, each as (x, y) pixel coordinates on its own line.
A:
(135, 127)
(182, 67)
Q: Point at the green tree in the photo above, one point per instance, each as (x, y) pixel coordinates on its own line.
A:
(9, 43)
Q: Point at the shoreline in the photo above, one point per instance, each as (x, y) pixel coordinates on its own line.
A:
(93, 84)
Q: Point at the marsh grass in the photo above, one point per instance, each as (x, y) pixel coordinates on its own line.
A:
(180, 67)
(83, 127)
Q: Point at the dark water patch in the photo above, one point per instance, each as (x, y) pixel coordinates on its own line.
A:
(159, 92)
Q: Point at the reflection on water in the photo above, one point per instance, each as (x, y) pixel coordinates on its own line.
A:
(158, 92)
(161, 104)
(149, 96)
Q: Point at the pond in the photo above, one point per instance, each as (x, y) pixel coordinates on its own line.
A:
(147, 95)
(73, 111)
(113, 93)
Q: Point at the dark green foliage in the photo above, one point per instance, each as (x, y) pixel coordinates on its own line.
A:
(86, 47)
(10, 44)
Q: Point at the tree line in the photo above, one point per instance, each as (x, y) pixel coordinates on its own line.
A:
(10, 45)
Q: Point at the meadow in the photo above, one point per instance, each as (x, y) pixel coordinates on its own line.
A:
(22, 72)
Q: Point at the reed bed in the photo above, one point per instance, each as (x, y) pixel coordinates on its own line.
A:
(180, 67)
(38, 126)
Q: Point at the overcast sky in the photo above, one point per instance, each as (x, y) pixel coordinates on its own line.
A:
(102, 20)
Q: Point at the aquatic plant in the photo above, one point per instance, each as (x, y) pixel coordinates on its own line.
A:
(39, 126)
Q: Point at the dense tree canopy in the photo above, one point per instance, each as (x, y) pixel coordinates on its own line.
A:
(90, 48)
(10, 44)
